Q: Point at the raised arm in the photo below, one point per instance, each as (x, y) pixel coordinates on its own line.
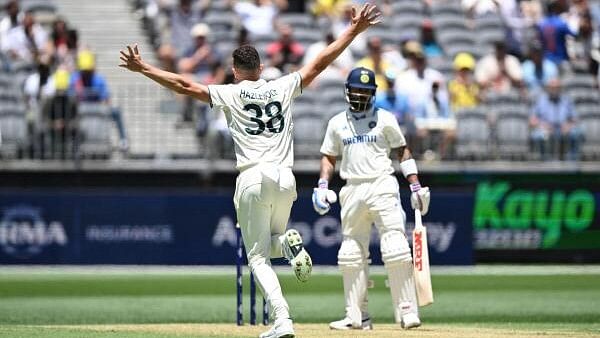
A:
(175, 82)
(369, 15)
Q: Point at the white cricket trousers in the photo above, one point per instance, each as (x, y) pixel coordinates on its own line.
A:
(371, 201)
(263, 200)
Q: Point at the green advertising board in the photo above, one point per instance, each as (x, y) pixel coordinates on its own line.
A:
(510, 217)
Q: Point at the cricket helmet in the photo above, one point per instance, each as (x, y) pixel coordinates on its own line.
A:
(360, 89)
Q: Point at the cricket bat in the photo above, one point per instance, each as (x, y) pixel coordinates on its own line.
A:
(421, 262)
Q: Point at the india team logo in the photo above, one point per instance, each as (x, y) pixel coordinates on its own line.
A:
(364, 78)
(24, 233)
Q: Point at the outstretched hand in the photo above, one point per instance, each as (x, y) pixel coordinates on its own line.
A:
(369, 15)
(133, 60)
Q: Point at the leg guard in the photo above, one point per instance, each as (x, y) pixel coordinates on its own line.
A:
(352, 262)
(398, 263)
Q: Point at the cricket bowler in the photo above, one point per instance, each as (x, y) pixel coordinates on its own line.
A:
(259, 117)
(364, 137)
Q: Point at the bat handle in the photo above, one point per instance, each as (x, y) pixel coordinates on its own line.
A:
(418, 220)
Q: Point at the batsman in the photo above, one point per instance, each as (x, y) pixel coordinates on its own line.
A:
(365, 137)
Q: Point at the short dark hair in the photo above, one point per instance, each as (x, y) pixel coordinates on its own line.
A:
(246, 58)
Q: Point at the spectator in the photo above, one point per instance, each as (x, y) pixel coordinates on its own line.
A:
(509, 12)
(201, 63)
(554, 123)
(39, 87)
(329, 8)
(59, 114)
(59, 38)
(581, 48)
(537, 71)
(499, 72)
(69, 59)
(417, 83)
(339, 24)
(553, 31)
(376, 61)
(463, 90)
(339, 68)
(285, 51)
(428, 40)
(428, 102)
(397, 104)
(197, 60)
(12, 19)
(258, 16)
(86, 85)
(182, 19)
(26, 42)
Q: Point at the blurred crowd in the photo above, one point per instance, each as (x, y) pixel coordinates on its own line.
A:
(528, 69)
(47, 76)
(425, 83)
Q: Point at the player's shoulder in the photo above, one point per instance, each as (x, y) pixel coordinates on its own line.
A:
(385, 115)
(338, 118)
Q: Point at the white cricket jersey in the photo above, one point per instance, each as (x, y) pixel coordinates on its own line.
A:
(363, 143)
(260, 119)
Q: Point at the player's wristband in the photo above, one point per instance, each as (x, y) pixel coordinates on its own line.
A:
(323, 183)
(414, 187)
(409, 167)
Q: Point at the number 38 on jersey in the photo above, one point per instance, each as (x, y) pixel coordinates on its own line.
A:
(272, 110)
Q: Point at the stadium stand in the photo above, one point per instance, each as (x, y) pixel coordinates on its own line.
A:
(159, 124)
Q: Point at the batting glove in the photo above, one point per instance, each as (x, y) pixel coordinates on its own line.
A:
(322, 197)
(419, 199)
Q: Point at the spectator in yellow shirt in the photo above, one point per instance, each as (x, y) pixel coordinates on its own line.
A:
(464, 91)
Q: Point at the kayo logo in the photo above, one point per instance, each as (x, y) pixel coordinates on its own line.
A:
(24, 233)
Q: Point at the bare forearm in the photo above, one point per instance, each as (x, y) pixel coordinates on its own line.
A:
(327, 167)
(166, 79)
(326, 56)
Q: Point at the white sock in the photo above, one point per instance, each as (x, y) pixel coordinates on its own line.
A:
(355, 290)
(269, 284)
(402, 287)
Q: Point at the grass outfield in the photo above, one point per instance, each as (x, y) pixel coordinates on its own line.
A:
(132, 304)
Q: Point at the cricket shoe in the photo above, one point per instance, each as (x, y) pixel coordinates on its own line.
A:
(346, 324)
(294, 252)
(282, 328)
(410, 319)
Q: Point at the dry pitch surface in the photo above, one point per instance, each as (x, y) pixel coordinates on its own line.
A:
(311, 331)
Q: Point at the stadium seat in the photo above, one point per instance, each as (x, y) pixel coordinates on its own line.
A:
(493, 22)
(439, 8)
(590, 125)
(472, 134)
(13, 130)
(303, 109)
(93, 129)
(297, 20)
(512, 135)
(408, 7)
(308, 135)
(578, 82)
(445, 23)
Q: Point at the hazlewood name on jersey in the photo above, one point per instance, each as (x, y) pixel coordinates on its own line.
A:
(248, 95)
